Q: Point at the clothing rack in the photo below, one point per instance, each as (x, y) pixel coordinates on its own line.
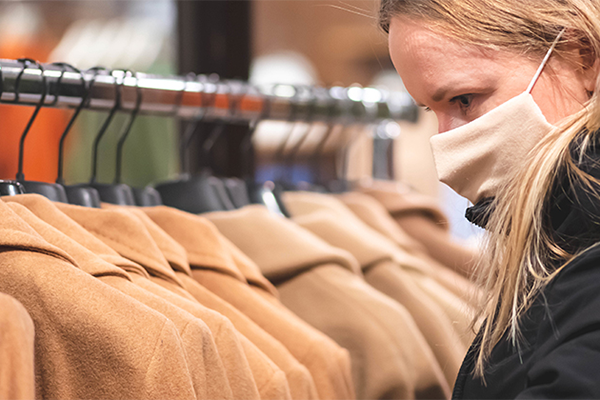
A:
(194, 96)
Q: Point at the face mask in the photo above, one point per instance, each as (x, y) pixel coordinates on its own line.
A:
(478, 158)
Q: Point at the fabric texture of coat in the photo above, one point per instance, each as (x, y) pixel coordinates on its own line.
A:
(127, 235)
(203, 360)
(323, 285)
(17, 332)
(444, 287)
(218, 266)
(385, 275)
(95, 336)
(420, 217)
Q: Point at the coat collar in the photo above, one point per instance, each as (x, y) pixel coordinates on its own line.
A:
(479, 214)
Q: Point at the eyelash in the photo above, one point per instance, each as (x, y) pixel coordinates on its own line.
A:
(464, 107)
(461, 104)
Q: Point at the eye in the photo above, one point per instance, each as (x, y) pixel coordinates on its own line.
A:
(427, 109)
(464, 101)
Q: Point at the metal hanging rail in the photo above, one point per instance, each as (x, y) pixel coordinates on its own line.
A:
(189, 97)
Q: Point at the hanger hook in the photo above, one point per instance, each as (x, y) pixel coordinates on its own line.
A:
(127, 129)
(84, 96)
(207, 100)
(291, 156)
(265, 110)
(189, 127)
(26, 62)
(317, 155)
(179, 98)
(246, 143)
(279, 153)
(1, 83)
(234, 101)
(111, 114)
(312, 103)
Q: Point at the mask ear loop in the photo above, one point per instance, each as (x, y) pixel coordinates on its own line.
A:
(543, 64)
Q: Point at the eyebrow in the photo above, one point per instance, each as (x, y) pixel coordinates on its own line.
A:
(438, 95)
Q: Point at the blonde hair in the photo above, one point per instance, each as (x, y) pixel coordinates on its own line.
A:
(520, 250)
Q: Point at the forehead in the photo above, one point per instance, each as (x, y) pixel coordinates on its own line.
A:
(424, 57)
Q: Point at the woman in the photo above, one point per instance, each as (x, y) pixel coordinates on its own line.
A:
(515, 85)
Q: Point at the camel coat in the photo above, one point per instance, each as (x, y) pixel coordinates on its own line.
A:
(203, 360)
(299, 379)
(426, 274)
(217, 268)
(324, 286)
(16, 351)
(271, 380)
(114, 227)
(371, 212)
(421, 217)
(87, 344)
(382, 272)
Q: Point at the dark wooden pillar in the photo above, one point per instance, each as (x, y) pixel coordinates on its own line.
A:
(215, 36)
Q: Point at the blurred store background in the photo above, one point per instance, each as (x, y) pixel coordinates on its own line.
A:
(311, 42)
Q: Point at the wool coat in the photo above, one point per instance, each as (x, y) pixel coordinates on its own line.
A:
(17, 332)
(385, 275)
(87, 344)
(216, 265)
(323, 285)
(246, 366)
(446, 288)
(421, 217)
(300, 381)
(203, 360)
(226, 342)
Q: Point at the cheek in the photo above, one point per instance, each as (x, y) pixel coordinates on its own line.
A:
(559, 97)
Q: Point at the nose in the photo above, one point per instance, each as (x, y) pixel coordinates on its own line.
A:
(447, 122)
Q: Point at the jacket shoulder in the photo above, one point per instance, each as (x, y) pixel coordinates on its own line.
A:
(566, 358)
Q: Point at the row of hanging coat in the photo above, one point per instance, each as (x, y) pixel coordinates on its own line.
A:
(213, 288)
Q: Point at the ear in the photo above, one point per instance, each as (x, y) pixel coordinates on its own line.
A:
(590, 68)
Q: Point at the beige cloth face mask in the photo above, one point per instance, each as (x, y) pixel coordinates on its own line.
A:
(478, 158)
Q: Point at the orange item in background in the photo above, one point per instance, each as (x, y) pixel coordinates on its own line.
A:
(41, 145)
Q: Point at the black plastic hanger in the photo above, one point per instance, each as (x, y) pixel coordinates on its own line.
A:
(110, 193)
(52, 191)
(195, 194)
(315, 159)
(341, 183)
(219, 185)
(76, 194)
(236, 187)
(289, 159)
(207, 100)
(148, 196)
(279, 155)
(383, 152)
(118, 192)
(269, 193)
(8, 187)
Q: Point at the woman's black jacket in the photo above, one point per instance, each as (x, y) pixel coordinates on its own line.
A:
(560, 354)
